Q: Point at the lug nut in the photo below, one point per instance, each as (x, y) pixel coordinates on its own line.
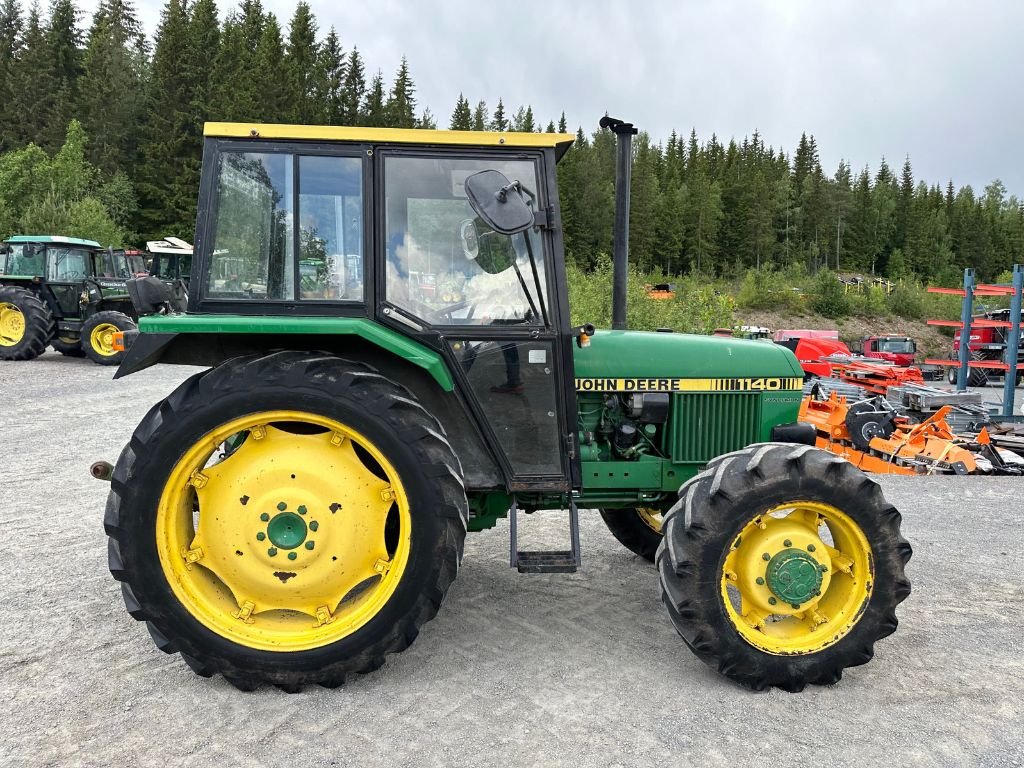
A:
(302, 509)
(261, 536)
(313, 525)
(759, 580)
(811, 547)
(795, 605)
(264, 517)
(772, 601)
(272, 551)
(766, 556)
(292, 555)
(282, 506)
(309, 545)
(787, 543)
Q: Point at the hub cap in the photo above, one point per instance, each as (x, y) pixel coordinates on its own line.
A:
(102, 339)
(12, 325)
(283, 531)
(797, 578)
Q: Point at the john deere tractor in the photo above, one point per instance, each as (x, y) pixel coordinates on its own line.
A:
(64, 292)
(296, 511)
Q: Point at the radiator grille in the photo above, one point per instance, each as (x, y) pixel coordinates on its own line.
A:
(705, 425)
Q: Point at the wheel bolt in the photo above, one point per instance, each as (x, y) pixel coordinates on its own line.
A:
(787, 543)
(759, 580)
(313, 525)
(302, 509)
(282, 506)
(292, 555)
(309, 545)
(795, 605)
(811, 547)
(264, 517)
(766, 556)
(823, 568)
(272, 551)
(261, 536)
(772, 601)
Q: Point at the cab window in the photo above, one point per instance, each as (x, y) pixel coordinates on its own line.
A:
(287, 228)
(66, 264)
(443, 264)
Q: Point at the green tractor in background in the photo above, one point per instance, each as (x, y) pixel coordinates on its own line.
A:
(67, 293)
(296, 511)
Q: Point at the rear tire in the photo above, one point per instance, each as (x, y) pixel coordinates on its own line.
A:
(637, 529)
(977, 377)
(96, 336)
(704, 533)
(26, 324)
(409, 439)
(70, 348)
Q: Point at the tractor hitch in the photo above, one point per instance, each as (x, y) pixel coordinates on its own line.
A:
(102, 470)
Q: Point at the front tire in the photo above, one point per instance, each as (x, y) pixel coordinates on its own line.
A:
(347, 517)
(68, 347)
(26, 324)
(637, 529)
(783, 565)
(97, 336)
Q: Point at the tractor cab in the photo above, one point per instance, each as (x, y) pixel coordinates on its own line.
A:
(170, 259)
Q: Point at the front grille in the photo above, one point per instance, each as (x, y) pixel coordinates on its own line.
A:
(705, 425)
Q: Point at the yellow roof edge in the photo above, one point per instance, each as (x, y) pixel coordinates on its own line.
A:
(385, 135)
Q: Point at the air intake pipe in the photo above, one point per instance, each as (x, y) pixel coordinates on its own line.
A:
(624, 133)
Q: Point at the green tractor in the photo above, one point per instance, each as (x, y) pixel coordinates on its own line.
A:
(66, 293)
(296, 511)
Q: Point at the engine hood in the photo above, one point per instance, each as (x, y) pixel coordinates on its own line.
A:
(630, 354)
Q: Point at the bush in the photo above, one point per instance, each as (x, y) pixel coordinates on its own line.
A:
(829, 297)
(696, 308)
(768, 289)
(907, 300)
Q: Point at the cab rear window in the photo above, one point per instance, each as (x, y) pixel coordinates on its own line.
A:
(287, 227)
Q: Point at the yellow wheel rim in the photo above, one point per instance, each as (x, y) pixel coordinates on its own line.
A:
(12, 325)
(102, 339)
(797, 578)
(283, 531)
(651, 517)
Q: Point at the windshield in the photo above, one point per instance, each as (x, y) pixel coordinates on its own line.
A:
(443, 263)
(136, 264)
(897, 346)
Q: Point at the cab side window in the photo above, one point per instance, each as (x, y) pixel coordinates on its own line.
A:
(66, 264)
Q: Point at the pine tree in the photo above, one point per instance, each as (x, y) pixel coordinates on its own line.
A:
(63, 41)
(551, 127)
(303, 69)
(111, 86)
(330, 84)
(427, 120)
(31, 109)
(499, 122)
(400, 110)
(274, 105)
(353, 91)
(480, 118)
(523, 120)
(10, 48)
(167, 195)
(562, 124)
(373, 112)
(200, 65)
(462, 118)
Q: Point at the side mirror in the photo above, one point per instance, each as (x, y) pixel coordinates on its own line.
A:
(470, 239)
(499, 202)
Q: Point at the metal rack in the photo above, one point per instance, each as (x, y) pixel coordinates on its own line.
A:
(1009, 364)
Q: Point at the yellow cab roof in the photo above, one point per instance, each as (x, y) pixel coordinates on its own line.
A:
(559, 141)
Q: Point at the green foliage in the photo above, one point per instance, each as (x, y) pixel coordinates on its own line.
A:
(771, 289)
(829, 299)
(696, 308)
(907, 300)
(61, 194)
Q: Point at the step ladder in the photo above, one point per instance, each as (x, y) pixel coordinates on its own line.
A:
(545, 561)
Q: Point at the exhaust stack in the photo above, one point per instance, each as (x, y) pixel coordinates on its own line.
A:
(624, 133)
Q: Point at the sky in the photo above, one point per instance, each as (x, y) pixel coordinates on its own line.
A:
(939, 80)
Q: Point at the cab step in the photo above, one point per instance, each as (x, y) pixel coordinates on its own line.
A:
(547, 560)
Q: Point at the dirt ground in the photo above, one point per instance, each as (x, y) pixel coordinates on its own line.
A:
(516, 670)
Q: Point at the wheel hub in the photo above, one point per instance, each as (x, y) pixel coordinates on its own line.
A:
(286, 530)
(794, 576)
(12, 325)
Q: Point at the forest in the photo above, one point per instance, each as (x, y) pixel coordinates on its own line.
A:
(101, 137)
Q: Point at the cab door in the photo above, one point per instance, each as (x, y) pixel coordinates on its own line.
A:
(66, 270)
(491, 303)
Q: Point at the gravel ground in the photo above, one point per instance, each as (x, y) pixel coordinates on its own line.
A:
(531, 670)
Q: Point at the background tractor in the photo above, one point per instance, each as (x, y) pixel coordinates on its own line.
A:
(64, 292)
(296, 511)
